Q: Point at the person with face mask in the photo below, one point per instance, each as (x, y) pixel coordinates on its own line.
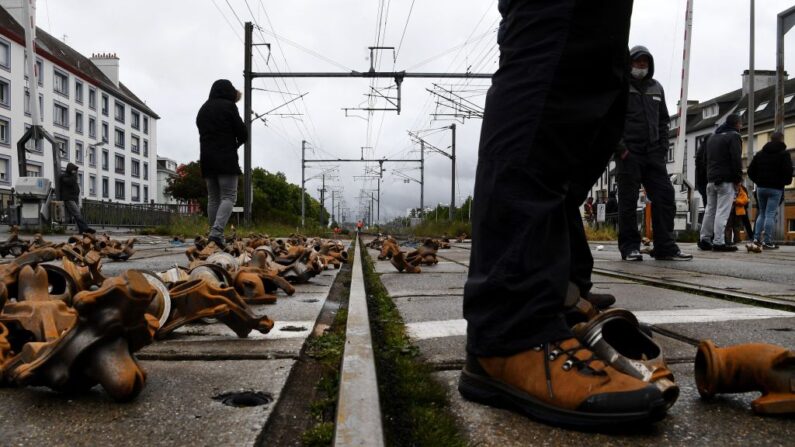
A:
(221, 133)
(640, 160)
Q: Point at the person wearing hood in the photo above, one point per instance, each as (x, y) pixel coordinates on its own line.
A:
(70, 195)
(221, 133)
(640, 160)
(771, 170)
(724, 175)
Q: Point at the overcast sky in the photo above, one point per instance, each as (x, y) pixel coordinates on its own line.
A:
(172, 50)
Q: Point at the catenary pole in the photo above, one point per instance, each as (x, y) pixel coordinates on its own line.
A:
(452, 179)
(303, 184)
(247, 187)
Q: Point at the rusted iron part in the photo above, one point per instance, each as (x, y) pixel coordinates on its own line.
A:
(249, 283)
(39, 242)
(112, 324)
(302, 269)
(160, 306)
(235, 248)
(174, 275)
(85, 270)
(331, 260)
(461, 237)
(442, 243)
(388, 250)
(196, 299)
(13, 246)
(119, 251)
(615, 337)
(424, 254)
(201, 251)
(399, 261)
(5, 346)
(766, 368)
(214, 274)
(225, 260)
(9, 273)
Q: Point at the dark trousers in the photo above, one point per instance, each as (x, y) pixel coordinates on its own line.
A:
(734, 225)
(553, 116)
(649, 171)
(73, 209)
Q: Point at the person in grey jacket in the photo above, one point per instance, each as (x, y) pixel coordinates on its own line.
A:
(724, 175)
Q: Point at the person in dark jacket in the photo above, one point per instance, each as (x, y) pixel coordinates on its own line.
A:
(70, 195)
(771, 170)
(530, 258)
(724, 175)
(701, 170)
(640, 160)
(221, 133)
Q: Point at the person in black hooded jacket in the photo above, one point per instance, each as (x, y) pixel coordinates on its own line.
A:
(70, 195)
(640, 160)
(221, 133)
(771, 170)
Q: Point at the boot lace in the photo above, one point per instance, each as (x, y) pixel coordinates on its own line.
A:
(554, 350)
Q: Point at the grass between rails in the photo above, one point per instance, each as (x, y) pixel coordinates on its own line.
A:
(413, 404)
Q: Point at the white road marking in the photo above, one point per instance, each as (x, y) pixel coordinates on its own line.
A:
(424, 330)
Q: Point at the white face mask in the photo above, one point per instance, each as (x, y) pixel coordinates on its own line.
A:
(639, 73)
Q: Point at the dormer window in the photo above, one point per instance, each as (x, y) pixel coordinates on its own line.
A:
(788, 99)
(710, 111)
(741, 112)
(762, 106)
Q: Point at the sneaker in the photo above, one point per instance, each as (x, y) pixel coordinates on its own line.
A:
(600, 300)
(90, 231)
(724, 247)
(561, 383)
(705, 245)
(634, 255)
(678, 256)
(769, 246)
(219, 241)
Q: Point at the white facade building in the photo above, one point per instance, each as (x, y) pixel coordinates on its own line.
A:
(105, 130)
(166, 169)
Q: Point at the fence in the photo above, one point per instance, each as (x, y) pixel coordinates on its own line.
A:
(111, 214)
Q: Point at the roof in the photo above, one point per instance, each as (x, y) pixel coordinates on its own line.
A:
(71, 60)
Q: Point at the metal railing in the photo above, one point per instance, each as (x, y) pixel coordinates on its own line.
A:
(112, 214)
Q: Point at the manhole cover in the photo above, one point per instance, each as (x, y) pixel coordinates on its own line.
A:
(244, 399)
(309, 301)
(782, 329)
(293, 329)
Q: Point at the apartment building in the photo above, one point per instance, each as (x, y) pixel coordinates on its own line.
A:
(101, 126)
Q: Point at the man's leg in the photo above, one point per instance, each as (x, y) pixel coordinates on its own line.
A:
(663, 209)
(708, 223)
(628, 178)
(213, 199)
(227, 185)
(725, 201)
(74, 210)
(771, 214)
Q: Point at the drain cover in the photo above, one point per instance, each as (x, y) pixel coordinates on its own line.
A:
(244, 399)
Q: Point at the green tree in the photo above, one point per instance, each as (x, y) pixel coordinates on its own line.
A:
(188, 185)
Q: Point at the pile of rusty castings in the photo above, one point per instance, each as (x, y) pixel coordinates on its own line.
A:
(81, 244)
(409, 262)
(70, 328)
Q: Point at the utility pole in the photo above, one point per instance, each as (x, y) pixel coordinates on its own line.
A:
(751, 88)
(322, 198)
(452, 179)
(784, 23)
(303, 183)
(422, 178)
(247, 190)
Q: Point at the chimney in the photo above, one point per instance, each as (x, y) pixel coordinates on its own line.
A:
(15, 8)
(762, 79)
(108, 63)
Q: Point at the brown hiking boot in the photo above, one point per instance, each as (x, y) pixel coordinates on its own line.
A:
(561, 383)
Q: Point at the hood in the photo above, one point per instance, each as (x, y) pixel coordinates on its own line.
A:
(223, 89)
(773, 147)
(638, 51)
(71, 167)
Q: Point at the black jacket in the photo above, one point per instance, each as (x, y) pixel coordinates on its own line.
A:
(772, 166)
(70, 187)
(701, 165)
(221, 131)
(647, 120)
(724, 156)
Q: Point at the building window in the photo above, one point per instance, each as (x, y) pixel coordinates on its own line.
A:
(670, 156)
(5, 170)
(791, 225)
(80, 180)
(788, 99)
(119, 140)
(135, 119)
(39, 71)
(5, 131)
(120, 189)
(78, 152)
(105, 188)
(119, 108)
(5, 54)
(5, 98)
(119, 165)
(92, 98)
(60, 115)
(92, 156)
(710, 111)
(135, 144)
(135, 192)
(92, 127)
(762, 106)
(27, 104)
(146, 194)
(78, 92)
(146, 148)
(105, 159)
(146, 171)
(105, 104)
(741, 113)
(78, 121)
(92, 185)
(29, 145)
(146, 124)
(105, 131)
(60, 82)
(33, 169)
(135, 168)
(63, 145)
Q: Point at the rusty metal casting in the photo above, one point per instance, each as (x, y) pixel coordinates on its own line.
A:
(111, 324)
(5, 346)
(13, 246)
(425, 254)
(212, 273)
(196, 299)
(258, 286)
(615, 336)
(766, 368)
(160, 306)
(389, 248)
(400, 263)
(225, 260)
